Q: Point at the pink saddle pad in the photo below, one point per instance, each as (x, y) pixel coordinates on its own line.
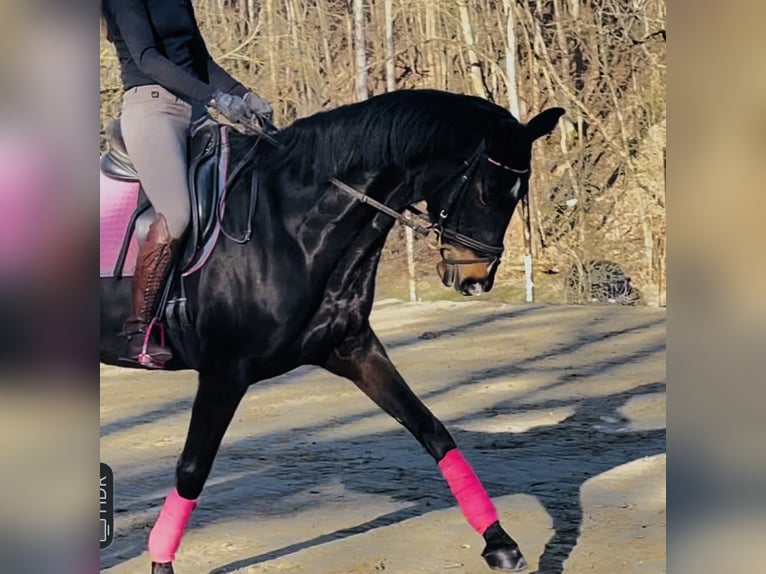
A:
(118, 201)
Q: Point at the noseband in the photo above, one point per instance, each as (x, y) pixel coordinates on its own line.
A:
(489, 254)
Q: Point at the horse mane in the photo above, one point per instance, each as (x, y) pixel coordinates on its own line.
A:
(393, 129)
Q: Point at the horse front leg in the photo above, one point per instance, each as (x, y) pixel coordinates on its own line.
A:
(364, 361)
(213, 409)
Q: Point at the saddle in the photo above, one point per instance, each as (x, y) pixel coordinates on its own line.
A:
(208, 159)
(207, 169)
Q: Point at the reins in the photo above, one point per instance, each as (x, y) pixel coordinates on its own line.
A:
(421, 224)
(418, 226)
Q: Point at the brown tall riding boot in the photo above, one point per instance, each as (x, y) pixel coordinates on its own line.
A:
(155, 257)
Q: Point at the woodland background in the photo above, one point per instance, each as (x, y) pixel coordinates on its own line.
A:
(598, 184)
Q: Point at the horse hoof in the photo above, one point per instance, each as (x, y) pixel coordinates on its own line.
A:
(164, 568)
(501, 551)
(506, 559)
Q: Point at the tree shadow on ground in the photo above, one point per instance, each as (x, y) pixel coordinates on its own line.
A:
(551, 463)
(548, 462)
(283, 472)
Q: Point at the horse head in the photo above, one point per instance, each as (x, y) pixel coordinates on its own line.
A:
(472, 214)
(467, 158)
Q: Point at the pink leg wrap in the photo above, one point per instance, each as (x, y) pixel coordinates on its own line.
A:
(469, 493)
(165, 537)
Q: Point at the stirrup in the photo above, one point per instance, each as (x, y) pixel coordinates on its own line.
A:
(144, 358)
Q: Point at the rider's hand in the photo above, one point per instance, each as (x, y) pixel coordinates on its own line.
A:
(259, 106)
(232, 107)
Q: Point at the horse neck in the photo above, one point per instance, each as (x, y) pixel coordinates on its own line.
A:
(322, 217)
(331, 145)
(329, 225)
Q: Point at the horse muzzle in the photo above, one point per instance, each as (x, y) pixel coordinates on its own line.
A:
(469, 277)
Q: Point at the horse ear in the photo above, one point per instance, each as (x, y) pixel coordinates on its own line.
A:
(543, 123)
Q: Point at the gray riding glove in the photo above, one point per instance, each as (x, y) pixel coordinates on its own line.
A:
(232, 107)
(259, 106)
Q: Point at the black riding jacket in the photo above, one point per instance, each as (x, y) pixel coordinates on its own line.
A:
(159, 42)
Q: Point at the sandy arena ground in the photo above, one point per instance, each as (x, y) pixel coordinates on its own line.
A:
(560, 409)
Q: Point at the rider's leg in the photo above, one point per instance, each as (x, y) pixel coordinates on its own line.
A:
(155, 126)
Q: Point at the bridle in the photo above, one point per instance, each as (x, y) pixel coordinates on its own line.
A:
(487, 253)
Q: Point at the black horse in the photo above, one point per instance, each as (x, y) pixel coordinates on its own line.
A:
(301, 291)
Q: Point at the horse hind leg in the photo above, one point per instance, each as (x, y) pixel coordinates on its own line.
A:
(364, 361)
(213, 409)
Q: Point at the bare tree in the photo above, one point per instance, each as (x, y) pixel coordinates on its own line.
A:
(596, 185)
(361, 51)
(473, 60)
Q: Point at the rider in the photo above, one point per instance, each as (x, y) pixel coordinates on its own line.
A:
(169, 77)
